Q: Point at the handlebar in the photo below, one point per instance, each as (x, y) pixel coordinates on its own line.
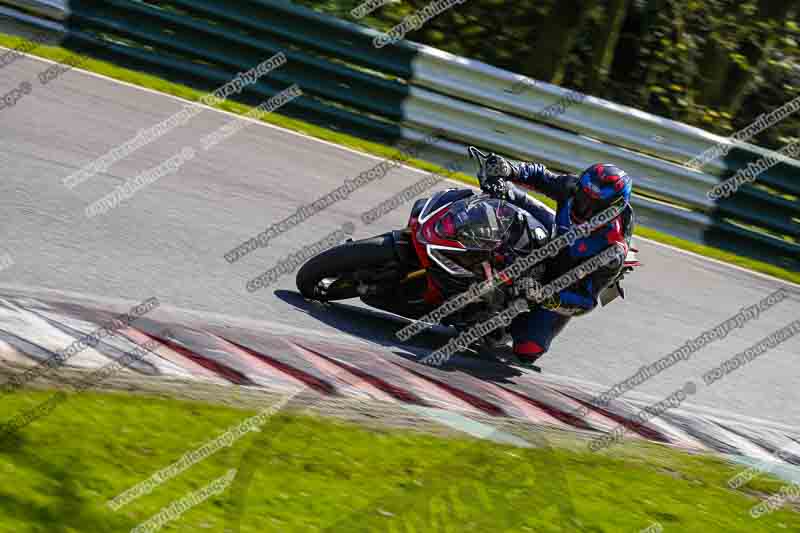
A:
(480, 157)
(477, 154)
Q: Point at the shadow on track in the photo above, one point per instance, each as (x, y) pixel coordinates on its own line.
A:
(380, 327)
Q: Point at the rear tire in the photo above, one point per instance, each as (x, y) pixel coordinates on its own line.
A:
(344, 260)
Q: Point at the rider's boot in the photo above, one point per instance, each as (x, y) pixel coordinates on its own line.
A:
(508, 355)
(525, 354)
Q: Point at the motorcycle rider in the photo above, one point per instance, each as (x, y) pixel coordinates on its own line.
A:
(578, 198)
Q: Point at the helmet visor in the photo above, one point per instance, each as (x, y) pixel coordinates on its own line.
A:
(582, 205)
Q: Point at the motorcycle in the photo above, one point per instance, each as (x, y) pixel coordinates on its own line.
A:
(453, 240)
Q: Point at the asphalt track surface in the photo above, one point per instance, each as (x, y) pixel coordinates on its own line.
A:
(169, 240)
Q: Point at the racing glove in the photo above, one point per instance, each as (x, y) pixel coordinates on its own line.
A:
(496, 170)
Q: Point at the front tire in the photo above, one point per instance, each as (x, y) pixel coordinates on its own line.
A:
(341, 263)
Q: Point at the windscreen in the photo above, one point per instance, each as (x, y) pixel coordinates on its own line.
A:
(479, 222)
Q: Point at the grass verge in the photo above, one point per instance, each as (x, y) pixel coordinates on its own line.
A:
(302, 473)
(141, 79)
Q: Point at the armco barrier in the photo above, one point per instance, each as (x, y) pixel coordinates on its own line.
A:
(406, 90)
(46, 9)
(26, 14)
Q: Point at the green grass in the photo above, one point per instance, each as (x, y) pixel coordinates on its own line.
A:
(182, 91)
(302, 473)
(721, 255)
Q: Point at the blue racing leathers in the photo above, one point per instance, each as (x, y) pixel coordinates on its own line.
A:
(534, 331)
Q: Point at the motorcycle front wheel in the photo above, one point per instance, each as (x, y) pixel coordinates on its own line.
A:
(331, 275)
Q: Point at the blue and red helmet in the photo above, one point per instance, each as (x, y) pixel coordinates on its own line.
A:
(600, 187)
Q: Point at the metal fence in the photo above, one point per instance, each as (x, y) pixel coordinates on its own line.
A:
(406, 90)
